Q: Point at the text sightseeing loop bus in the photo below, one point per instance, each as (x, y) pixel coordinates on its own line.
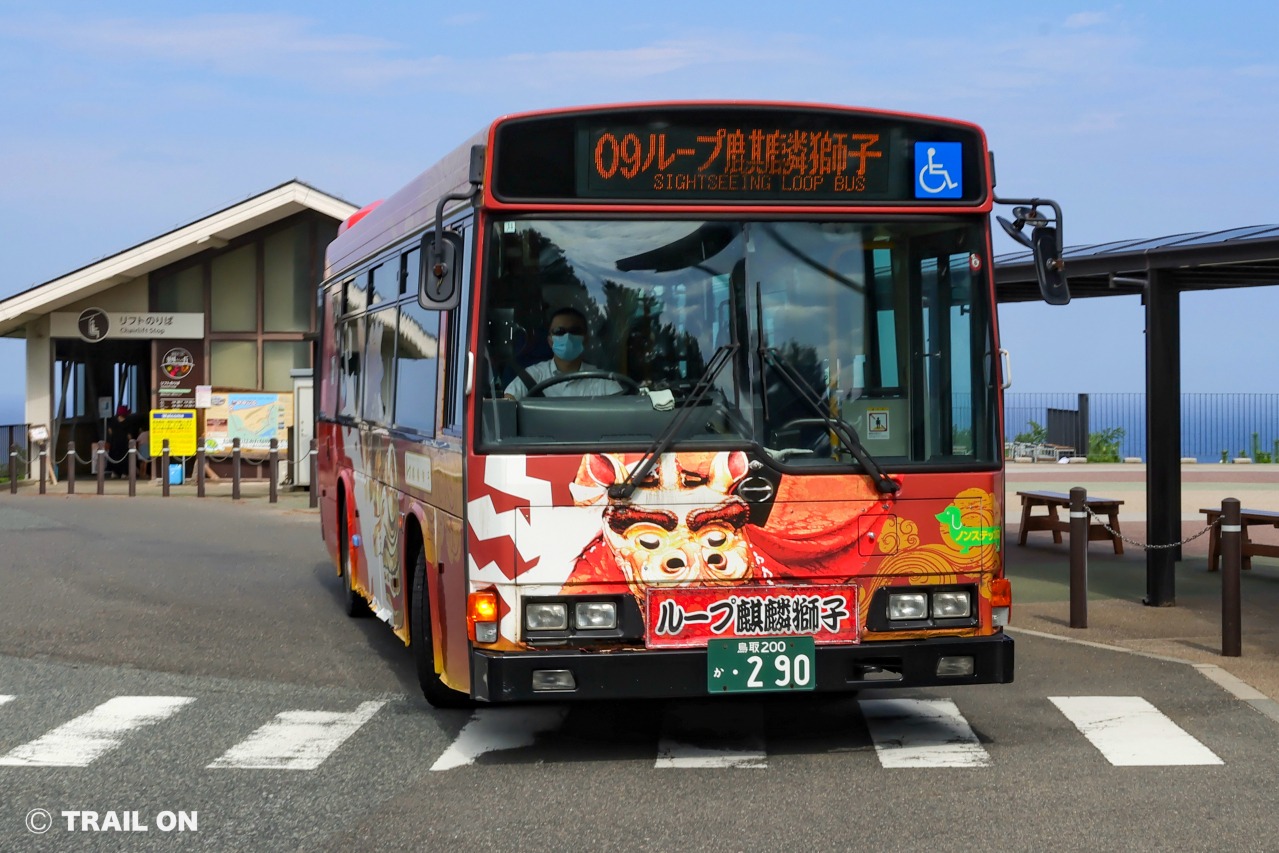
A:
(676, 400)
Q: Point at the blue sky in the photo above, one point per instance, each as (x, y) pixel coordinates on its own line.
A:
(1142, 119)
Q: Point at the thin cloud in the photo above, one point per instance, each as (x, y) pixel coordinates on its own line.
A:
(1084, 20)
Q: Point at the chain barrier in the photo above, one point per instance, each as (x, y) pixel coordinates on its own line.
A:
(86, 461)
(1144, 545)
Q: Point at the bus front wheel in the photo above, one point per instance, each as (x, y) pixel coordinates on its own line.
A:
(422, 645)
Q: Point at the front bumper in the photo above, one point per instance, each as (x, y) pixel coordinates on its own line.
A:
(666, 674)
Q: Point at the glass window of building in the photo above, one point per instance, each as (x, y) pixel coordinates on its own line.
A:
(286, 274)
(181, 292)
(233, 364)
(235, 291)
(280, 359)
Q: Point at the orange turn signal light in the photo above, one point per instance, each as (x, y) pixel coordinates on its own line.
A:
(480, 607)
(1001, 593)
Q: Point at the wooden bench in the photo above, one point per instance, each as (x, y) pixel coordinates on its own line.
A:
(1108, 507)
(1247, 548)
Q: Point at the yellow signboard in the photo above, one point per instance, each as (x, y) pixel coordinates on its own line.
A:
(178, 426)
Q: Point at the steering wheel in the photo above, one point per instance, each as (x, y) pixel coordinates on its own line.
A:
(629, 386)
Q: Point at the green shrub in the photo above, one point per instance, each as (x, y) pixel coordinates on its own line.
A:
(1037, 434)
(1103, 446)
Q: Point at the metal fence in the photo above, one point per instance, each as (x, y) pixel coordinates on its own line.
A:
(1211, 424)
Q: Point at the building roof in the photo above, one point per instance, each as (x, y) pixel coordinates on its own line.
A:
(210, 232)
(1201, 260)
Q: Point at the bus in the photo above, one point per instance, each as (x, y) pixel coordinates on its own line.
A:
(677, 399)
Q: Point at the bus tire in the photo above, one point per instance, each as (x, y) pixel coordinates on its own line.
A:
(439, 694)
(353, 604)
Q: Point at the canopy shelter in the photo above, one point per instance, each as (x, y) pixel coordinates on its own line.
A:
(1159, 270)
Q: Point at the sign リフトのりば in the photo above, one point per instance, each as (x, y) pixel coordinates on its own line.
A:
(178, 426)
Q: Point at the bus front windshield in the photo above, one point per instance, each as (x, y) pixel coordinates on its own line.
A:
(796, 337)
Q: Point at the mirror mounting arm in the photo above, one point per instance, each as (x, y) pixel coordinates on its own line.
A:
(437, 265)
(1044, 241)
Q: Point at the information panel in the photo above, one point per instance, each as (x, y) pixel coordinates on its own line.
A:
(178, 426)
(738, 154)
(732, 160)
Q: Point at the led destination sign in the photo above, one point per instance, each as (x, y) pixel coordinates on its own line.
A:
(715, 154)
(745, 161)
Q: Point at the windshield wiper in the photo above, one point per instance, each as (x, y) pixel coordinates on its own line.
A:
(835, 423)
(842, 429)
(661, 444)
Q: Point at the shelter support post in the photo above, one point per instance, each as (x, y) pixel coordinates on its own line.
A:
(1163, 435)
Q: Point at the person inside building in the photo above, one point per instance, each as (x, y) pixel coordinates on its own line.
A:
(568, 338)
(118, 443)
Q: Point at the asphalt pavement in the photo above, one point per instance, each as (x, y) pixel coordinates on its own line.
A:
(1190, 631)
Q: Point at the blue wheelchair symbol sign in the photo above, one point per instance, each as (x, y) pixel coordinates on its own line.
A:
(939, 170)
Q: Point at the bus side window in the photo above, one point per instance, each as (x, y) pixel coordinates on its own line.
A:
(417, 359)
(379, 365)
(459, 327)
(350, 343)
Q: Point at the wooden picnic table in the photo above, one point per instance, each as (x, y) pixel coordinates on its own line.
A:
(1247, 548)
(1108, 507)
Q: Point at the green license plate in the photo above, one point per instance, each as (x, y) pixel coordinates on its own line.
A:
(760, 664)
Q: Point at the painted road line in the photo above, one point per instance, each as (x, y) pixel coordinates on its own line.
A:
(1130, 732)
(82, 740)
(922, 733)
(493, 729)
(702, 736)
(296, 740)
(4, 699)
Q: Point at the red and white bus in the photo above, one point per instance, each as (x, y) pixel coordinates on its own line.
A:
(677, 399)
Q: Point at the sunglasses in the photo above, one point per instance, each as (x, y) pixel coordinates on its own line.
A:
(558, 331)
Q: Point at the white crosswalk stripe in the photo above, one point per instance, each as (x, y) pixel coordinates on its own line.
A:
(905, 733)
(82, 740)
(922, 733)
(737, 742)
(297, 740)
(493, 729)
(1131, 732)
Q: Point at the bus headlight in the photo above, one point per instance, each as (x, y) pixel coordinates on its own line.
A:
(908, 605)
(951, 605)
(595, 615)
(546, 616)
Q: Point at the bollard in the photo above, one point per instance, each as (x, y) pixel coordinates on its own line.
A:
(235, 469)
(71, 468)
(43, 468)
(315, 471)
(133, 467)
(1231, 563)
(274, 469)
(1078, 557)
(199, 471)
(164, 469)
(13, 469)
(100, 453)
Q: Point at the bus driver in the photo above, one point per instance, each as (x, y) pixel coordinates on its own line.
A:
(568, 337)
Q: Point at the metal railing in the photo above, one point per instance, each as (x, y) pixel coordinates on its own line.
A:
(1237, 425)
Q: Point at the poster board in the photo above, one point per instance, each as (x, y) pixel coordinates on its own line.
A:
(254, 417)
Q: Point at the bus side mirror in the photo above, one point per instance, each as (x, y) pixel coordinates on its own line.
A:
(439, 285)
(1044, 243)
(1049, 267)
